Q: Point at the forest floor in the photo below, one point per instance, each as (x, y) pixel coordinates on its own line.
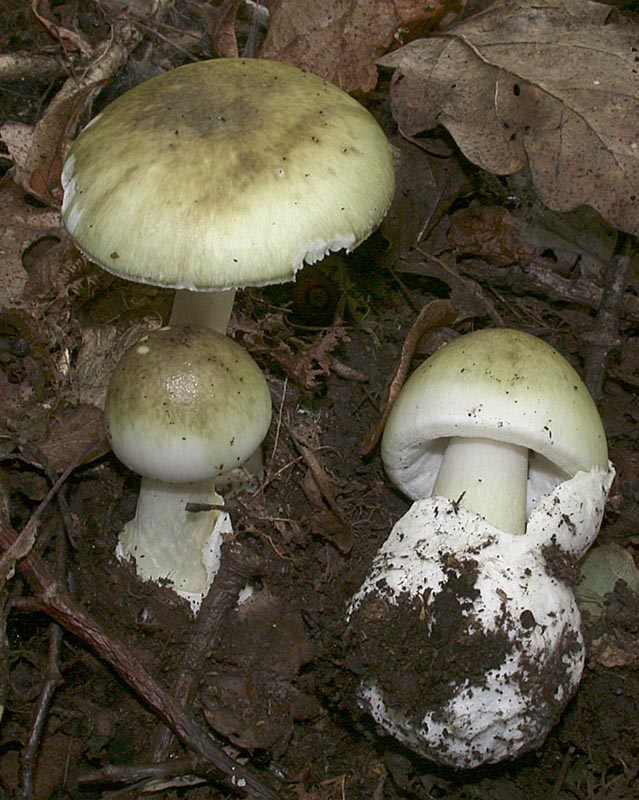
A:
(274, 682)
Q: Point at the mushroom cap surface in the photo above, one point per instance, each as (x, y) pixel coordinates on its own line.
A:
(225, 173)
(498, 384)
(186, 404)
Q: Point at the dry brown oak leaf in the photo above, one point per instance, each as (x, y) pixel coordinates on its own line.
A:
(340, 39)
(552, 85)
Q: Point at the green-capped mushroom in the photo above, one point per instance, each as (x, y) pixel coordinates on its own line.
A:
(495, 419)
(225, 174)
(184, 406)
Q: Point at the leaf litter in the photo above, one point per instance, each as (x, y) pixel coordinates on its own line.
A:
(501, 247)
(548, 87)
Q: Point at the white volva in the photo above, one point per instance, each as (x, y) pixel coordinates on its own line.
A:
(509, 707)
(466, 634)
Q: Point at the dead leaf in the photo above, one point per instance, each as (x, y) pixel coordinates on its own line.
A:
(99, 351)
(340, 39)
(306, 365)
(22, 225)
(538, 84)
(70, 40)
(17, 137)
(71, 434)
(492, 233)
(40, 174)
(314, 361)
(29, 379)
(426, 188)
(221, 22)
(615, 649)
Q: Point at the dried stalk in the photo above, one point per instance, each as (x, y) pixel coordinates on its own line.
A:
(237, 567)
(433, 315)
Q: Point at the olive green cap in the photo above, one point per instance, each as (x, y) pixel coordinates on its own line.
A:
(225, 173)
(186, 404)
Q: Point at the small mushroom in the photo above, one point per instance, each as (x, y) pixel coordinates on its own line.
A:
(466, 634)
(223, 174)
(185, 405)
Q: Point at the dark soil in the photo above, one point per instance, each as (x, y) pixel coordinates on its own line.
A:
(276, 685)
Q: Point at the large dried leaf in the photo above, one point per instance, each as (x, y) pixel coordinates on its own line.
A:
(543, 84)
(427, 186)
(340, 39)
(39, 173)
(22, 225)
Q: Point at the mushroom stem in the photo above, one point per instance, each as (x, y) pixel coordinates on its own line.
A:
(210, 309)
(173, 544)
(487, 477)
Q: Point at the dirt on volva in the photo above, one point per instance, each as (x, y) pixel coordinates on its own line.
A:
(275, 678)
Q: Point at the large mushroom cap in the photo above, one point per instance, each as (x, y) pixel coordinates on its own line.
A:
(498, 384)
(225, 173)
(186, 404)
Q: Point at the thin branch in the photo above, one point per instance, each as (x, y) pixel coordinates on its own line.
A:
(64, 610)
(433, 315)
(52, 681)
(604, 337)
(53, 678)
(237, 567)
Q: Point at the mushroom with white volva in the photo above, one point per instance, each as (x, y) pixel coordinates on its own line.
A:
(465, 633)
(185, 405)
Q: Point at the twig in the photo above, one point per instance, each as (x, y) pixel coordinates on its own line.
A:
(166, 39)
(23, 543)
(565, 764)
(433, 315)
(64, 610)
(537, 278)
(458, 281)
(237, 567)
(137, 773)
(320, 477)
(15, 66)
(277, 434)
(54, 675)
(604, 337)
(52, 681)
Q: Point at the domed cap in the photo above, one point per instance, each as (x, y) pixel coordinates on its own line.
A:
(186, 404)
(497, 384)
(226, 173)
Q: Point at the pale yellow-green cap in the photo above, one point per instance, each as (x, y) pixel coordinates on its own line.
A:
(226, 173)
(498, 384)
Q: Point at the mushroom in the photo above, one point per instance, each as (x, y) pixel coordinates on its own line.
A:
(467, 639)
(465, 634)
(494, 420)
(223, 174)
(185, 405)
